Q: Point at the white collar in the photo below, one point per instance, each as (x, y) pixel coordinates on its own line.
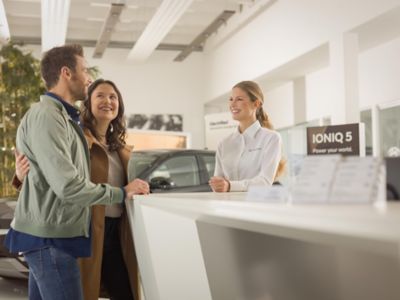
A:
(251, 130)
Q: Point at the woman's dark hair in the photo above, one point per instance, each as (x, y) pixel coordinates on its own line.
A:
(116, 132)
(253, 90)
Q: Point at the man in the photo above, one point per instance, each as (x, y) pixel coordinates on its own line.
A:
(52, 217)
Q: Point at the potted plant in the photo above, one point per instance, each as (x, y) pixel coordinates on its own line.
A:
(20, 86)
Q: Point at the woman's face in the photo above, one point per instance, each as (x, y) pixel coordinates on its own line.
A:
(241, 107)
(104, 103)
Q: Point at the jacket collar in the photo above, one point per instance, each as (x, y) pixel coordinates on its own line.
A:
(90, 138)
(72, 111)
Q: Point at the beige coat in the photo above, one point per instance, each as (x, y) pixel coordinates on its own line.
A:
(91, 266)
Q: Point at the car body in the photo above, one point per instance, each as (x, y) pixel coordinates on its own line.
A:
(173, 170)
(11, 265)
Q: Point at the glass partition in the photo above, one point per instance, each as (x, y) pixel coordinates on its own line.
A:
(389, 128)
(294, 143)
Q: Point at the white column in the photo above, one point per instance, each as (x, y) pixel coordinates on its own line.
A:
(343, 51)
(299, 100)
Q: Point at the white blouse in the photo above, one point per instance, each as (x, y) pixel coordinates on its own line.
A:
(249, 158)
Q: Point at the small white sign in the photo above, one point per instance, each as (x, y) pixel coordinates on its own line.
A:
(270, 194)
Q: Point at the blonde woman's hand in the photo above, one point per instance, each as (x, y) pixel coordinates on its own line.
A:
(137, 187)
(21, 165)
(219, 184)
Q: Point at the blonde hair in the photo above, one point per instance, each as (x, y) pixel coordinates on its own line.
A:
(253, 90)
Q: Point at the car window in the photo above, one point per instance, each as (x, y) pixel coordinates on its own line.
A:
(181, 171)
(140, 162)
(209, 162)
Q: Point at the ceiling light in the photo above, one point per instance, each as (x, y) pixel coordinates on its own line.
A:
(95, 20)
(108, 27)
(126, 21)
(18, 15)
(4, 30)
(96, 4)
(163, 20)
(55, 15)
(101, 4)
(202, 37)
(28, 1)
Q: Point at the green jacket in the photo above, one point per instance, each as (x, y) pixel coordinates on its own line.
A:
(56, 194)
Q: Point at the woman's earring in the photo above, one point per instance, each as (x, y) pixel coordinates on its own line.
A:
(111, 128)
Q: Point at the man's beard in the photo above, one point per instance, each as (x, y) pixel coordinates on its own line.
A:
(78, 89)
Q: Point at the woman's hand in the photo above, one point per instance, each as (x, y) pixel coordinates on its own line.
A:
(21, 165)
(137, 187)
(219, 184)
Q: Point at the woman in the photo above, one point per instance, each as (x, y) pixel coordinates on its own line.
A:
(113, 261)
(252, 154)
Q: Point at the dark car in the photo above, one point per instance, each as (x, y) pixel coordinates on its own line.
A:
(173, 170)
(11, 265)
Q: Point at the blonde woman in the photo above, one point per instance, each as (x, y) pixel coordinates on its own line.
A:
(252, 154)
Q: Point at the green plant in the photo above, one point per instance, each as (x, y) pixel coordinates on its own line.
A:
(20, 86)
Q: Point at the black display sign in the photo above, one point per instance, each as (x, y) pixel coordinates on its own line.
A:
(335, 139)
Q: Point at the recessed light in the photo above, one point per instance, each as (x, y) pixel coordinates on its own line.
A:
(126, 21)
(95, 19)
(97, 4)
(23, 15)
(28, 1)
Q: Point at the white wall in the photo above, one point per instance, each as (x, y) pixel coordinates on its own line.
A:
(379, 81)
(319, 99)
(283, 32)
(160, 86)
(379, 70)
(279, 105)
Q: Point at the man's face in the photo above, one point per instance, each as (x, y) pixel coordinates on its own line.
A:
(80, 80)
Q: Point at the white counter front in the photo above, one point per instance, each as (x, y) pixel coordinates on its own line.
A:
(220, 246)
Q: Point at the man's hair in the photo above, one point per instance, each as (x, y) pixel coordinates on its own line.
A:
(56, 58)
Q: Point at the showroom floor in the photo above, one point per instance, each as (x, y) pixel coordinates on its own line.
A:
(13, 289)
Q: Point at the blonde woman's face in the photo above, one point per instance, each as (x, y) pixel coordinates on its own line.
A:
(241, 107)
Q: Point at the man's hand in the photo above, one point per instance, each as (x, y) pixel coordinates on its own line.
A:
(219, 184)
(136, 187)
(21, 165)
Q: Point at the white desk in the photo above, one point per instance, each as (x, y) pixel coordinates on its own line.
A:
(219, 246)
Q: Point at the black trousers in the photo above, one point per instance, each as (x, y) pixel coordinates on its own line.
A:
(114, 275)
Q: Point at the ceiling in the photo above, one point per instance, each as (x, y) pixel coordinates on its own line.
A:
(87, 17)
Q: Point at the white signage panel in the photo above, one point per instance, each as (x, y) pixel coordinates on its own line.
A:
(218, 126)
